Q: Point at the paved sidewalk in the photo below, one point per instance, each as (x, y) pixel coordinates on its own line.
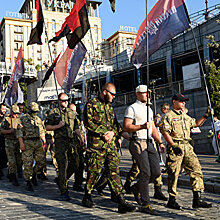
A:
(210, 168)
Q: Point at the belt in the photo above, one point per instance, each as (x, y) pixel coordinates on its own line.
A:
(181, 141)
(141, 139)
(31, 138)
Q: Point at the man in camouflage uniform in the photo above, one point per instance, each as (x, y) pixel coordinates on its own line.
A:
(175, 127)
(3, 156)
(64, 124)
(101, 124)
(8, 128)
(31, 136)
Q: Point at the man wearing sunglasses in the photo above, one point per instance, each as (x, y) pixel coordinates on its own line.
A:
(102, 126)
(64, 124)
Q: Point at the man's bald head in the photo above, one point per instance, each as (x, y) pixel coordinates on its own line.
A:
(108, 86)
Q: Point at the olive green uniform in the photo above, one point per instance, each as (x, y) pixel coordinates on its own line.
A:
(178, 125)
(12, 144)
(100, 118)
(31, 131)
(65, 149)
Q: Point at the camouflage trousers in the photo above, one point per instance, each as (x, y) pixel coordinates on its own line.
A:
(33, 152)
(134, 171)
(191, 165)
(51, 148)
(12, 149)
(97, 158)
(67, 160)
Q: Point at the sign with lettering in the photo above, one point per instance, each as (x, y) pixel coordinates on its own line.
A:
(17, 15)
(128, 28)
(48, 94)
(60, 4)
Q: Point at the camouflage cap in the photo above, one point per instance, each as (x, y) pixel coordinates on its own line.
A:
(15, 109)
(34, 107)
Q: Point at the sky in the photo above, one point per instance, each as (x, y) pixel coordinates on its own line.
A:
(128, 12)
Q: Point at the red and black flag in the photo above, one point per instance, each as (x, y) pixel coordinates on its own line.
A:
(75, 26)
(112, 2)
(50, 70)
(35, 36)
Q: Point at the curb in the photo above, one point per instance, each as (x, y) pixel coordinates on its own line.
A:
(182, 182)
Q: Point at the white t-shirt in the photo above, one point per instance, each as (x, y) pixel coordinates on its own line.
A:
(138, 112)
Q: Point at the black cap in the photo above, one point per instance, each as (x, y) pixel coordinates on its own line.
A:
(179, 97)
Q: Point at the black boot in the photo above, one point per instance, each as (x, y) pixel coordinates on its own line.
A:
(198, 203)
(87, 201)
(127, 187)
(172, 203)
(34, 179)
(148, 210)
(123, 205)
(42, 176)
(114, 197)
(29, 186)
(158, 193)
(14, 179)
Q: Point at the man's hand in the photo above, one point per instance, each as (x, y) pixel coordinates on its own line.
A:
(61, 124)
(162, 148)
(209, 112)
(22, 147)
(177, 150)
(45, 147)
(12, 131)
(108, 136)
(146, 125)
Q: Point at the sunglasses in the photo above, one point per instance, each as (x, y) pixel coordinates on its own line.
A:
(112, 94)
(64, 100)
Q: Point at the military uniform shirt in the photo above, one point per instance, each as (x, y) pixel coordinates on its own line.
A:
(177, 124)
(68, 117)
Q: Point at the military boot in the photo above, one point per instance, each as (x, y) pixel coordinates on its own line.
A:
(14, 179)
(172, 203)
(87, 201)
(65, 196)
(198, 203)
(136, 193)
(158, 193)
(123, 205)
(127, 187)
(42, 176)
(148, 210)
(34, 179)
(29, 186)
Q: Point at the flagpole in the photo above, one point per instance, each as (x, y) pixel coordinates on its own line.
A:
(148, 78)
(206, 89)
(53, 71)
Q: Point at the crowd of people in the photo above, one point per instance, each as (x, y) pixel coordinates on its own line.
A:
(95, 141)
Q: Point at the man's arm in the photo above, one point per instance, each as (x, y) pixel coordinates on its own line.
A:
(128, 125)
(156, 137)
(201, 121)
(55, 127)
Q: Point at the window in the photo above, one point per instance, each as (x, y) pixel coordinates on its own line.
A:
(53, 25)
(39, 56)
(18, 29)
(18, 37)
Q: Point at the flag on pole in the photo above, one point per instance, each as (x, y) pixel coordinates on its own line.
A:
(167, 19)
(35, 36)
(14, 94)
(68, 66)
(112, 2)
(50, 70)
(75, 26)
(18, 70)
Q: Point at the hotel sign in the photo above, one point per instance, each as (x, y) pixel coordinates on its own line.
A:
(60, 4)
(12, 14)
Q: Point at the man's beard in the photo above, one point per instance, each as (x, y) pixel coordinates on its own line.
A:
(106, 99)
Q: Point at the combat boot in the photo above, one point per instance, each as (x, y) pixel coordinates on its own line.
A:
(87, 201)
(29, 186)
(14, 179)
(123, 205)
(148, 210)
(172, 204)
(198, 203)
(127, 187)
(34, 179)
(42, 176)
(65, 196)
(158, 193)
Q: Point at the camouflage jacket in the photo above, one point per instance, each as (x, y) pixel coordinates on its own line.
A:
(100, 118)
(32, 127)
(177, 124)
(8, 123)
(68, 117)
